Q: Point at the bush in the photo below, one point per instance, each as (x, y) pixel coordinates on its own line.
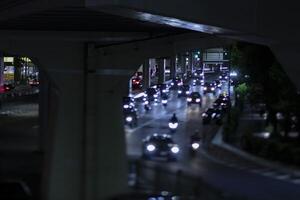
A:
(229, 129)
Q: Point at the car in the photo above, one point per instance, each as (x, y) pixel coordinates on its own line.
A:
(163, 88)
(223, 102)
(130, 117)
(160, 146)
(176, 82)
(198, 81)
(8, 87)
(183, 91)
(217, 84)
(128, 103)
(151, 94)
(223, 77)
(198, 73)
(211, 114)
(209, 88)
(136, 83)
(194, 98)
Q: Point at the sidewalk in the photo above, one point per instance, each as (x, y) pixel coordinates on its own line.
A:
(230, 156)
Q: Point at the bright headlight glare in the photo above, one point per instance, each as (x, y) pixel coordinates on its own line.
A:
(212, 88)
(164, 101)
(195, 145)
(155, 95)
(150, 147)
(205, 88)
(129, 119)
(204, 115)
(189, 99)
(187, 92)
(173, 125)
(175, 149)
(179, 91)
(197, 100)
(126, 106)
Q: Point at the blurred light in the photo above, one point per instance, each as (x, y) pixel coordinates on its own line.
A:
(150, 147)
(175, 149)
(195, 145)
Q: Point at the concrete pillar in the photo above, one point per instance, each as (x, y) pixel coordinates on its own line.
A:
(161, 70)
(1, 69)
(146, 74)
(183, 64)
(44, 95)
(190, 61)
(152, 66)
(173, 67)
(86, 155)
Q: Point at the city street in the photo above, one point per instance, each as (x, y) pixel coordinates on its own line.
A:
(234, 181)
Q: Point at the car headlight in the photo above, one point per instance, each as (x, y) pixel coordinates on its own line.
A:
(205, 88)
(187, 92)
(172, 83)
(189, 99)
(175, 149)
(125, 106)
(204, 115)
(212, 88)
(179, 91)
(226, 77)
(129, 119)
(155, 96)
(202, 81)
(194, 81)
(146, 102)
(198, 100)
(164, 91)
(173, 125)
(195, 145)
(150, 147)
(220, 76)
(145, 95)
(164, 101)
(195, 74)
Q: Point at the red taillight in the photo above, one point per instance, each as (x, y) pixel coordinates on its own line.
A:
(2, 90)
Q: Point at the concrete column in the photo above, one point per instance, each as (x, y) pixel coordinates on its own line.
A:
(190, 61)
(106, 145)
(85, 155)
(44, 95)
(173, 67)
(183, 64)
(1, 69)
(161, 70)
(146, 74)
(152, 66)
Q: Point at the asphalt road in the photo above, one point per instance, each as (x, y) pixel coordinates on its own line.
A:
(229, 180)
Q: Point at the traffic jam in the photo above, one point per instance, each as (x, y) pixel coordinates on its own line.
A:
(202, 95)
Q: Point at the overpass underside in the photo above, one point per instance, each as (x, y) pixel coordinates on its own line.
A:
(90, 49)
